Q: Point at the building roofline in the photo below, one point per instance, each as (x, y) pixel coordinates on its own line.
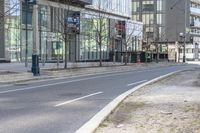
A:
(90, 8)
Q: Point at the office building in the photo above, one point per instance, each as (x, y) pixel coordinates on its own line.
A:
(17, 28)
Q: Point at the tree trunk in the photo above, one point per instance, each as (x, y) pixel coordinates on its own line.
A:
(157, 58)
(100, 54)
(65, 67)
(126, 56)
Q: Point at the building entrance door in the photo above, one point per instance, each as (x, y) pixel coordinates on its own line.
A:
(196, 51)
(57, 51)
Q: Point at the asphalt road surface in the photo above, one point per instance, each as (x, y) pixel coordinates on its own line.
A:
(64, 105)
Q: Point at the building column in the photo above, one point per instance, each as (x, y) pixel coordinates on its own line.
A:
(48, 42)
(2, 33)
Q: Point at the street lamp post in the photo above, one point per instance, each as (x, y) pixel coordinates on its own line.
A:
(26, 27)
(35, 57)
(186, 4)
(182, 35)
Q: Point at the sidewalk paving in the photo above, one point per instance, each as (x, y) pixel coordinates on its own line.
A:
(20, 67)
(171, 105)
(9, 76)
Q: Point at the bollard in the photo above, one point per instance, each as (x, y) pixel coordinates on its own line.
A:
(35, 65)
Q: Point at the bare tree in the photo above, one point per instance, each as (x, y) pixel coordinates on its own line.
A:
(10, 25)
(99, 23)
(65, 29)
(8, 8)
(131, 30)
(155, 41)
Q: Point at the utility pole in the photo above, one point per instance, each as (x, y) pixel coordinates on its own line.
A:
(35, 55)
(156, 31)
(66, 45)
(114, 50)
(185, 30)
(35, 30)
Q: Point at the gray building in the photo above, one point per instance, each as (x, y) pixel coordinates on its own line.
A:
(164, 20)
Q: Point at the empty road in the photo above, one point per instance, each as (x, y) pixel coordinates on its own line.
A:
(64, 105)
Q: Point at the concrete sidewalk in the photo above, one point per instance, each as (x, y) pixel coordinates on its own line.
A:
(20, 67)
(9, 76)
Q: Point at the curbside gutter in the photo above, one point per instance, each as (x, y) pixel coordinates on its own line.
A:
(94, 122)
(24, 77)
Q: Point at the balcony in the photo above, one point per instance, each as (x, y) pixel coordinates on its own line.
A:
(192, 23)
(195, 32)
(84, 2)
(195, 23)
(75, 2)
(195, 11)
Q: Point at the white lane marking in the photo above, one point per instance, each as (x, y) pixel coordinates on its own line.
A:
(136, 82)
(77, 99)
(5, 86)
(92, 74)
(58, 83)
(77, 80)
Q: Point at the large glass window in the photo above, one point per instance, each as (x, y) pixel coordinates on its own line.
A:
(122, 7)
(151, 14)
(93, 27)
(12, 30)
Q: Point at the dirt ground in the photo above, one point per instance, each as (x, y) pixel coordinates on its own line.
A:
(168, 106)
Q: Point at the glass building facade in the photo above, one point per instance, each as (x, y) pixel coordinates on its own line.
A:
(119, 7)
(53, 16)
(81, 47)
(12, 26)
(89, 47)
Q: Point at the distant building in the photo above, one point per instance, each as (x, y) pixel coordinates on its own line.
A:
(194, 48)
(164, 20)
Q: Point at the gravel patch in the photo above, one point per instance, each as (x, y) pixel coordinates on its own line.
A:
(7, 72)
(168, 106)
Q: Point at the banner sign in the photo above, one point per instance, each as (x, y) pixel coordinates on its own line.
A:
(73, 23)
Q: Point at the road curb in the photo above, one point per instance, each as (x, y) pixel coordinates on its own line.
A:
(95, 121)
(78, 74)
(26, 80)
